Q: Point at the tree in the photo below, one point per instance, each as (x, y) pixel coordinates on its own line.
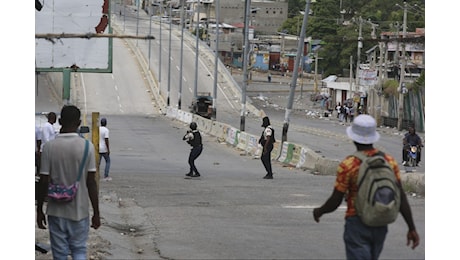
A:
(341, 36)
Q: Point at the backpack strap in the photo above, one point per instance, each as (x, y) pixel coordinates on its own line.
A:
(82, 164)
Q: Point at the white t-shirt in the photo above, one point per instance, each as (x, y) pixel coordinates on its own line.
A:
(48, 133)
(61, 160)
(103, 133)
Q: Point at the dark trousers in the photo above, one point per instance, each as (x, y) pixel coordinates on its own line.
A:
(266, 160)
(194, 153)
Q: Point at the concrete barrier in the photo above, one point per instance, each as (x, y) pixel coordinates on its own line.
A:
(232, 136)
(204, 124)
(413, 182)
(170, 112)
(286, 152)
(276, 150)
(183, 116)
(242, 142)
(218, 130)
(253, 148)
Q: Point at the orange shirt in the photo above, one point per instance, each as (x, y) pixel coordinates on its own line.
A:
(347, 178)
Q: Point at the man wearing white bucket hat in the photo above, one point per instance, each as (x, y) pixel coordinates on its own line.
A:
(363, 241)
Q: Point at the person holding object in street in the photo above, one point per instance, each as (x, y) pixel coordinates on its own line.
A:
(193, 138)
(104, 148)
(267, 139)
(363, 241)
(61, 163)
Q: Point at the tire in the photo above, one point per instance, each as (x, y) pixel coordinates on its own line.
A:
(412, 161)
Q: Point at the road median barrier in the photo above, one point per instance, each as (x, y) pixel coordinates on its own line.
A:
(232, 136)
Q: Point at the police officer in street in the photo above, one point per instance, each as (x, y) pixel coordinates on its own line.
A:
(193, 137)
(267, 139)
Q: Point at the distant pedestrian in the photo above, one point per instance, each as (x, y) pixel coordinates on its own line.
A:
(193, 138)
(38, 144)
(362, 241)
(347, 112)
(104, 148)
(352, 113)
(48, 131)
(337, 108)
(343, 112)
(61, 163)
(269, 77)
(267, 139)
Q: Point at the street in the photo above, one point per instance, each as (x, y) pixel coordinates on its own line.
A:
(149, 211)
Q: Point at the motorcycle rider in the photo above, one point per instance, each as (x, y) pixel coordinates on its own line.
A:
(411, 139)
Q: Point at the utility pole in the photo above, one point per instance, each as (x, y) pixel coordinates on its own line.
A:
(197, 35)
(160, 51)
(295, 73)
(245, 63)
(351, 74)
(216, 60)
(179, 98)
(169, 57)
(316, 73)
(403, 68)
(360, 45)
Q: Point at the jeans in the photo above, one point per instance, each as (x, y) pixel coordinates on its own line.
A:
(194, 153)
(361, 241)
(106, 157)
(68, 237)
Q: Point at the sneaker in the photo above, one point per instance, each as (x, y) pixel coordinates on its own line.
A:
(188, 175)
(196, 175)
(268, 177)
(107, 178)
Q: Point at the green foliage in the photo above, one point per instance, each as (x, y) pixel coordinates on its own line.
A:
(419, 83)
(340, 30)
(390, 88)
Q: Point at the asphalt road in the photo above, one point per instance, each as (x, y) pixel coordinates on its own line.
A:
(151, 212)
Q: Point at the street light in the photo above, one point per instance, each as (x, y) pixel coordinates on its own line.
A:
(197, 35)
(159, 50)
(179, 101)
(245, 64)
(216, 61)
(169, 57)
(150, 34)
(403, 68)
(293, 84)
